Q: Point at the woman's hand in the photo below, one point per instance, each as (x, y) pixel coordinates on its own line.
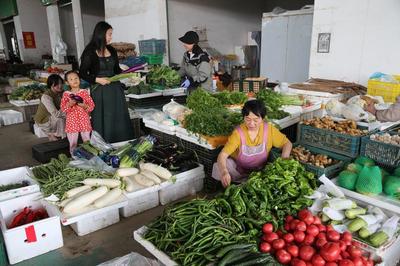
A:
(370, 108)
(226, 178)
(102, 81)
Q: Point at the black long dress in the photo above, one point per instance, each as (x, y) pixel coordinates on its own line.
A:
(110, 116)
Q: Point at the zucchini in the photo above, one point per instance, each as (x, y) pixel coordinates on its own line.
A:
(352, 213)
(379, 238)
(356, 225)
(232, 254)
(264, 259)
(226, 249)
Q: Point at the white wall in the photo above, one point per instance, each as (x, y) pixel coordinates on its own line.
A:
(365, 38)
(32, 18)
(134, 20)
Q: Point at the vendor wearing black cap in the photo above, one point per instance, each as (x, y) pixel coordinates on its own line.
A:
(195, 67)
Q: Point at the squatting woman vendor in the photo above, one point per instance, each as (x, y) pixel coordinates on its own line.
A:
(248, 147)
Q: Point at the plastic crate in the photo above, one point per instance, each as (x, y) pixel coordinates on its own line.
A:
(389, 91)
(156, 102)
(136, 124)
(3, 253)
(164, 138)
(330, 140)
(152, 47)
(330, 171)
(250, 85)
(384, 154)
(156, 59)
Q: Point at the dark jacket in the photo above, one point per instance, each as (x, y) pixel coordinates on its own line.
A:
(197, 68)
(90, 64)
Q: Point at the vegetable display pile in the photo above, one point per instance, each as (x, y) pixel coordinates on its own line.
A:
(57, 178)
(28, 92)
(370, 225)
(303, 155)
(274, 101)
(306, 241)
(208, 116)
(231, 98)
(26, 216)
(193, 233)
(172, 157)
(386, 138)
(14, 186)
(364, 177)
(141, 88)
(164, 75)
(344, 127)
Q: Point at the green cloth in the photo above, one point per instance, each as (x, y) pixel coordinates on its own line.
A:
(42, 114)
(110, 117)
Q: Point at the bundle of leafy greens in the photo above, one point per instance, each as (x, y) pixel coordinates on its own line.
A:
(231, 98)
(274, 101)
(164, 75)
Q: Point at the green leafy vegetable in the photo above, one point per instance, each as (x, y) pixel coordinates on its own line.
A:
(164, 75)
(231, 98)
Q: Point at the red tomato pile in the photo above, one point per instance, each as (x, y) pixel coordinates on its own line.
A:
(307, 242)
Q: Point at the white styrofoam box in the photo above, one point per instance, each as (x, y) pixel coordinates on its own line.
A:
(141, 199)
(89, 219)
(33, 239)
(39, 132)
(150, 123)
(143, 96)
(286, 122)
(161, 256)
(96, 222)
(21, 103)
(380, 201)
(196, 140)
(313, 114)
(186, 183)
(10, 117)
(17, 175)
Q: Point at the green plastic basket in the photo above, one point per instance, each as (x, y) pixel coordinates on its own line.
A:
(330, 171)
(384, 154)
(330, 140)
(154, 59)
(3, 253)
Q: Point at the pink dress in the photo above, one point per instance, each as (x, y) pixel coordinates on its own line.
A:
(77, 118)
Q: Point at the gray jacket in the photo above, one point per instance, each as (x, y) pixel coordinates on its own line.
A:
(390, 115)
(197, 68)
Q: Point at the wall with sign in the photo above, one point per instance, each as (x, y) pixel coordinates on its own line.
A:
(353, 39)
(30, 23)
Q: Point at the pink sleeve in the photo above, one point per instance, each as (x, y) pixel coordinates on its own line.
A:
(88, 101)
(64, 103)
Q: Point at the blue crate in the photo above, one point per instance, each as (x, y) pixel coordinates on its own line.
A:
(384, 154)
(152, 47)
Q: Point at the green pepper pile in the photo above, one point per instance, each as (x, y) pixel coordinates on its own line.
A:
(192, 233)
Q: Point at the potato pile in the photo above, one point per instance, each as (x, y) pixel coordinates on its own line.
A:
(345, 127)
(303, 155)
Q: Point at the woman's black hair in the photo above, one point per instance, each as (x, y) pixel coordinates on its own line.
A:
(256, 107)
(98, 40)
(53, 80)
(69, 73)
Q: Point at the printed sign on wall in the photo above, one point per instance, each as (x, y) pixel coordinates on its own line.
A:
(29, 39)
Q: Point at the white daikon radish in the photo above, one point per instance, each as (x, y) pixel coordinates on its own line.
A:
(151, 176)
(143, 181)
(108, 198)
(64, 202)
(72, 192)
(86, 199)
(129, 186)
(127, 171)
(108, 182)
(158, 170)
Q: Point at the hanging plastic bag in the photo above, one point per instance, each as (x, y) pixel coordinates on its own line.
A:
(174, 110)
(132, 259)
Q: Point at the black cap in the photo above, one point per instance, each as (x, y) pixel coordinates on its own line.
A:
(190, 37)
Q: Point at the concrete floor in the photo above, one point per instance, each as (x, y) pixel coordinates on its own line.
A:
(117, 240)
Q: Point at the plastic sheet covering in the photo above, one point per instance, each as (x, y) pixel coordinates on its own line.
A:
(131, 259)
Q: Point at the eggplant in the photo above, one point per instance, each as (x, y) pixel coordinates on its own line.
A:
(77, 98)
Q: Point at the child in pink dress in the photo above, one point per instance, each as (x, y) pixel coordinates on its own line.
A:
(77, 105)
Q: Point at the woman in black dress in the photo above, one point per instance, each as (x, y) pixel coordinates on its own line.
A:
(99, 60)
